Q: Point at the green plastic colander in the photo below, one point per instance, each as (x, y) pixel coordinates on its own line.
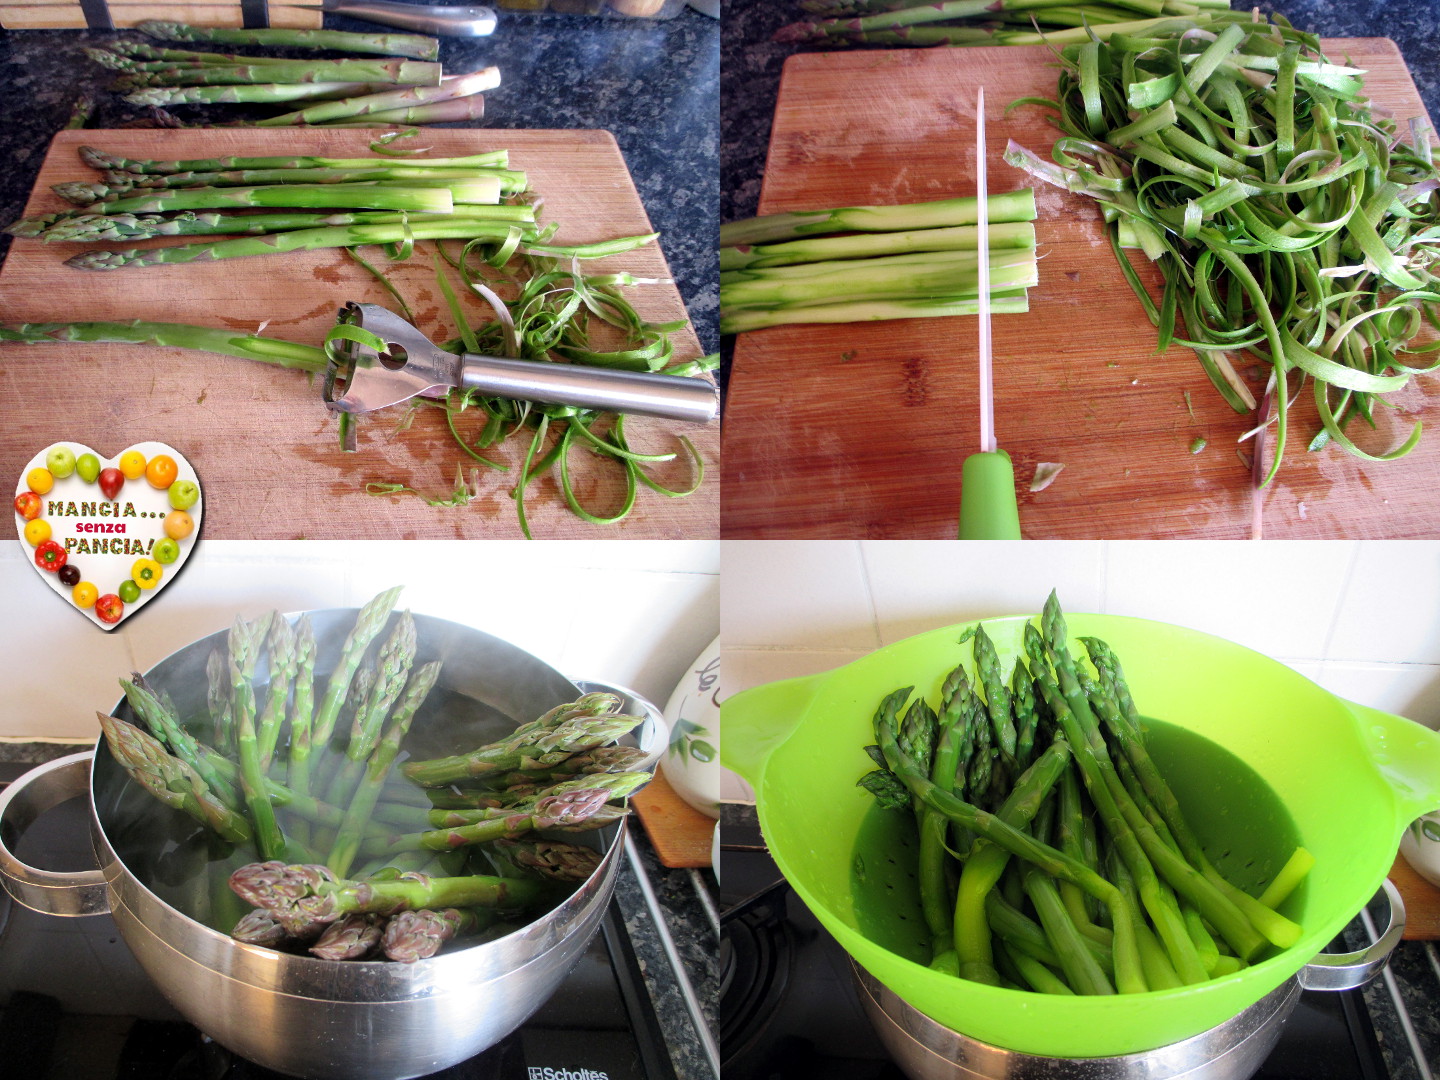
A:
(1291, 762)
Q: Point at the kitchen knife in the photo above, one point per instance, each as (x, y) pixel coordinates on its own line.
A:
(988, 509)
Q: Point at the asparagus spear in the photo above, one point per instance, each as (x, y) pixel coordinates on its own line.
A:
(303, 895)
(573, 811)
(244, 645)
(346, 844)
(524, 749)
(395, 72)
(894, 277)
(966, 35)
(457, 87)
(283, 665)
(368, 624)
(554, 860)
(357, 196)
(826, 29)
(1009, 234)
(99, 159)
(260, 927)
(597, 703)
(416, 935)
(166, 726)
(930, 307)
(456, 110)
(397, 654)
(217, 672)
(259, 93)
(98, 228)
(351, 937)
(602, 759)
(997, 695)
(1008, 206)
(170, 779)
(117, 182)
(133, 55)
(302, 708)
(294, 240)
(615, 785)
(288, 354)
(415, 45)
(988, 860)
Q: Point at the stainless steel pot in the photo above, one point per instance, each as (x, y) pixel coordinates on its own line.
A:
(318, 1019)
(1234, 1050)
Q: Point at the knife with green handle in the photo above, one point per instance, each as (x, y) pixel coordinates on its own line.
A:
(988, 509)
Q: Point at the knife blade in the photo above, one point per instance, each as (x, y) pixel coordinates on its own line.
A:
(988, 509)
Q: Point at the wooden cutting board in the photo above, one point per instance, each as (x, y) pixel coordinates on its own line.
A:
(1422, 902)
(260, 437)
(860, 430)
(680, 834)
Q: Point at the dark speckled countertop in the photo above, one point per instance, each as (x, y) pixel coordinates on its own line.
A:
(654, 84)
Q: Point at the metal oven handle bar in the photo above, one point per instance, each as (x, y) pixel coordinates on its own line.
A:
(49, 892)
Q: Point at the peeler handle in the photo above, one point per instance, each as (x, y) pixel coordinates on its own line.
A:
(441, 20)
(669, 396)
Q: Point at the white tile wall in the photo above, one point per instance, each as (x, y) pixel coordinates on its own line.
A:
(1361, 619)
(635, 614)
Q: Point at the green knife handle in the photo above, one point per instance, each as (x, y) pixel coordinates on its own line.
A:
(988, 510)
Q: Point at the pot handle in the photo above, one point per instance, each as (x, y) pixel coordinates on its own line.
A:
(1408, 757)
(49, 892)
(1345, 971)
(754, 722)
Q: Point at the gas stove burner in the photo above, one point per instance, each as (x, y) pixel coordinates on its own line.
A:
(757, 951)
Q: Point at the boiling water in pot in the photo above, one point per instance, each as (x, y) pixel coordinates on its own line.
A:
(186, 867)
(1245, 830)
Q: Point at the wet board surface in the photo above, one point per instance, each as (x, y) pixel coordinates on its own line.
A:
(861, 430)
(260, 437)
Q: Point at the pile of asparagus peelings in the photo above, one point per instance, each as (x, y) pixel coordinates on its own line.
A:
(350, 856)
(1053, 855)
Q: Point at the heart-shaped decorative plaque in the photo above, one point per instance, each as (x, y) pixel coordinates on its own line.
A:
(108, 534)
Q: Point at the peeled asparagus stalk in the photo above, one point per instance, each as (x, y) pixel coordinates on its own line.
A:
(461, 86)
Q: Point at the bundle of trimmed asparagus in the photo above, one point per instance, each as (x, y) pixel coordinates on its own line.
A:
(353, 201)
(300, 771)
(865, 263)
(985, 22)
(408, 87)
(1077, 871)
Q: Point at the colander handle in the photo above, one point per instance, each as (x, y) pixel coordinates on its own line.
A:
(46, 891)
(1407, 755)
(755, 722)
(1345, 971)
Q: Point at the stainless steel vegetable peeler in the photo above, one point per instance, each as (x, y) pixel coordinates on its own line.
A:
(411, 365)
(441, 20)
